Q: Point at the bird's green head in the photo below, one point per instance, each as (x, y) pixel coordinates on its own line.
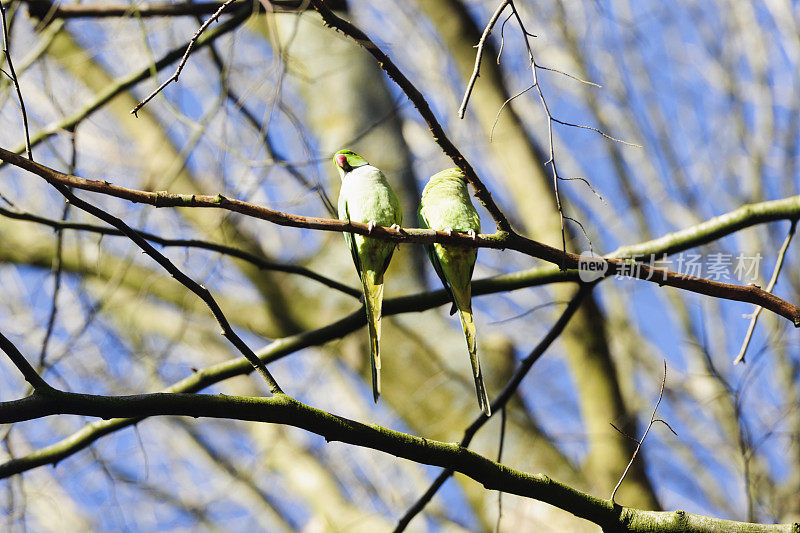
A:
(347, 160)
(451, 174)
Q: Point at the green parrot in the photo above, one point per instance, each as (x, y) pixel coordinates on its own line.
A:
(367, 197)
(446, 206)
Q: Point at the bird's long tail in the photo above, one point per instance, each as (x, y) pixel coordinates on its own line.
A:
(373, 300)
(464, 304)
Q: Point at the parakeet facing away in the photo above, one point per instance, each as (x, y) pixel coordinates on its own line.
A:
(367, 197)
(446, 206)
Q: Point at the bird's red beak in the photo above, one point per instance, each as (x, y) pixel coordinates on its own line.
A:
(341, 160)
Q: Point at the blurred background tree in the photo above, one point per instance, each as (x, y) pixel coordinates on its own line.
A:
(710, 92)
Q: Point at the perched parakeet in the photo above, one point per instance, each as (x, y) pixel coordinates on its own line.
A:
(367, 197)
(446, 206)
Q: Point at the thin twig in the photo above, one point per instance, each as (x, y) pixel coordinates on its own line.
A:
(185, 57)
(586, 182)
(771, 285)
(551, 145)
(479, 56)
(568, 75)
(499, 111)
(550, 121)
(13, 76)
(653, 420)
(596, 130)
(521, 315)
(503, 37)
(583, 231)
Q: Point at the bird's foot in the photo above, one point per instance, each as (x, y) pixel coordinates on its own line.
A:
(472, 234)
(371, 227)
(449, 231)
(397, 228)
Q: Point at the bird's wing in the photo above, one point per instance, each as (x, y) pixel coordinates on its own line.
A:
(351, 242)
(437, 266)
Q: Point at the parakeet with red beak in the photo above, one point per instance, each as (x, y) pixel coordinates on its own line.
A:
(446, 206)
(367, 197)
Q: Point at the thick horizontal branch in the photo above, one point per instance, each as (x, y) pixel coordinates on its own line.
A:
(500, 240)
(166, 199)
(280, 409)
(626, 267)
(47, 10)
(413, 94)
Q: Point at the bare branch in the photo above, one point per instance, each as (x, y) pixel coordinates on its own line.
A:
(281, 409)
(22, 364)
(479, 55)
(182, 63)
(57, 262)
(550, 120)
(13, 77)
(568, 75)
(771, 285)
(653, 420)
(503, 416)
(47, 10)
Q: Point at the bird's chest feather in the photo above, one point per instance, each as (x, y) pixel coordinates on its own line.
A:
(369, 199)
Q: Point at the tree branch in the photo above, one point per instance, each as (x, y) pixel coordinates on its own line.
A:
(281, 409)
(192, 43)
(771, 285)
(640, 442)
(500, 240)
(12, 74)
(476, 71)
(22, 364)
(46, 10)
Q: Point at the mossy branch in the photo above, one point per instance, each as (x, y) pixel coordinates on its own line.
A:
(281, 409)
